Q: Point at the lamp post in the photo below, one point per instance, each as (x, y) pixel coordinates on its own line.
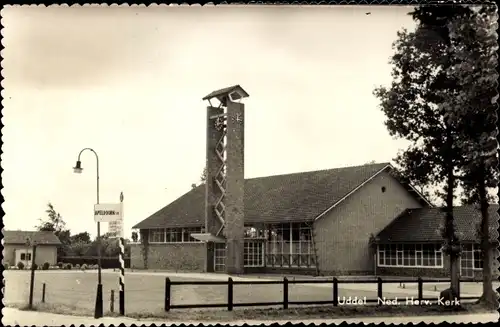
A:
(98, 313)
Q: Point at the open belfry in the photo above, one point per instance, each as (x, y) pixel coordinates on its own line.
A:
(224, 193)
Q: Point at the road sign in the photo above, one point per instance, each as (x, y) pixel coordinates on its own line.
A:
(106, 212)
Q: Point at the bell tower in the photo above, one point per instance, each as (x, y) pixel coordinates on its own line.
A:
(224, 193)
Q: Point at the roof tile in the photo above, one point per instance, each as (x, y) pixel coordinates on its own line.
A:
(422, 225)
(281, 198)
(19, 237)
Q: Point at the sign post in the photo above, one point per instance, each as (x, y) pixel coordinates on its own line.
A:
(122, 261)
(33, 267)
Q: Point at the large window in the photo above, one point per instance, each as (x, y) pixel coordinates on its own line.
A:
(410, 255)
(253, 253)
(157, 235)
(174, 235)
(289, 245)
(472, 255)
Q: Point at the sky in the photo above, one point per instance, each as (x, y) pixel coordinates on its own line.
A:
(128, 82)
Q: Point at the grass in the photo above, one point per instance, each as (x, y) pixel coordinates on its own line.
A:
(73, 293)
(313, 312)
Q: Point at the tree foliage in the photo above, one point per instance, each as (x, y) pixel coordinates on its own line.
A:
(203, 177)
(417, 108)
(80, 244)
(135, 236)
(83, 237)
(54, 222)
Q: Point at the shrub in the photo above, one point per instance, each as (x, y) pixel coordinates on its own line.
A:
(34, 267)
(46, 266)
(77, 266)
(68, 266)
(6, 266)
(84, 266)
(60, 265)
(20, 265)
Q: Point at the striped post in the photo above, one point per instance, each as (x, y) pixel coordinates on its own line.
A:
(122, 277)
(122, 265)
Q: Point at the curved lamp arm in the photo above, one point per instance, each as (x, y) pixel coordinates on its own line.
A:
(78, 167)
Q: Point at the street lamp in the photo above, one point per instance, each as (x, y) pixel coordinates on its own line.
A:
(98, 301)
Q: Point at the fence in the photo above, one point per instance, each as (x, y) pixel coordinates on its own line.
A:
(106, 262)
(285, 283)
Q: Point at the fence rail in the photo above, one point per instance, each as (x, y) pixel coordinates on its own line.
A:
(285, 282)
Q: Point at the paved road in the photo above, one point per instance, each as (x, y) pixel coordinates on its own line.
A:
(29, 318)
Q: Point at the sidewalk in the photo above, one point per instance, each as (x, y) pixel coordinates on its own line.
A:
(12, 317)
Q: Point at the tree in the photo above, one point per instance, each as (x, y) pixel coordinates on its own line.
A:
(78, 248)
(83, 237)
(135, 236)
(473, 47)
(414, 110)
(203, 177)
(55, 223)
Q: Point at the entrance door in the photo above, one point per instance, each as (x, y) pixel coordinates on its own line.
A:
(220, 257)
(24, 256)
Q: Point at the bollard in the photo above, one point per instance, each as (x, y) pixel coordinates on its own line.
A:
(112, 301)
(43, 293)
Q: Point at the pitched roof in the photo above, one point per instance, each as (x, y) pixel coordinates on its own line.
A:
(422, 225)
(41, 238)
(219, 94)
(273, 199)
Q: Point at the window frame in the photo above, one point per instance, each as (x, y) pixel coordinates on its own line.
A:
(179, 231)
(399, 251)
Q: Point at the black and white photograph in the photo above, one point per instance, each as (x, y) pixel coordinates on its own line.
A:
(249, 164)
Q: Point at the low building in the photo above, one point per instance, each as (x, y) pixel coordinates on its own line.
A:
(16, 248)
(318, 222)
(411, 244)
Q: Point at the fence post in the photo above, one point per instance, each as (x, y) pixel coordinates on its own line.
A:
(379, 290)
(420, 289)
(167, 294)
(335, 292)
(112, 301)
(229, 294)
(285, 293)
(43, 293)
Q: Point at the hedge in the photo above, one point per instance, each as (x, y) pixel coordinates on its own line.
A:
(106, 262)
